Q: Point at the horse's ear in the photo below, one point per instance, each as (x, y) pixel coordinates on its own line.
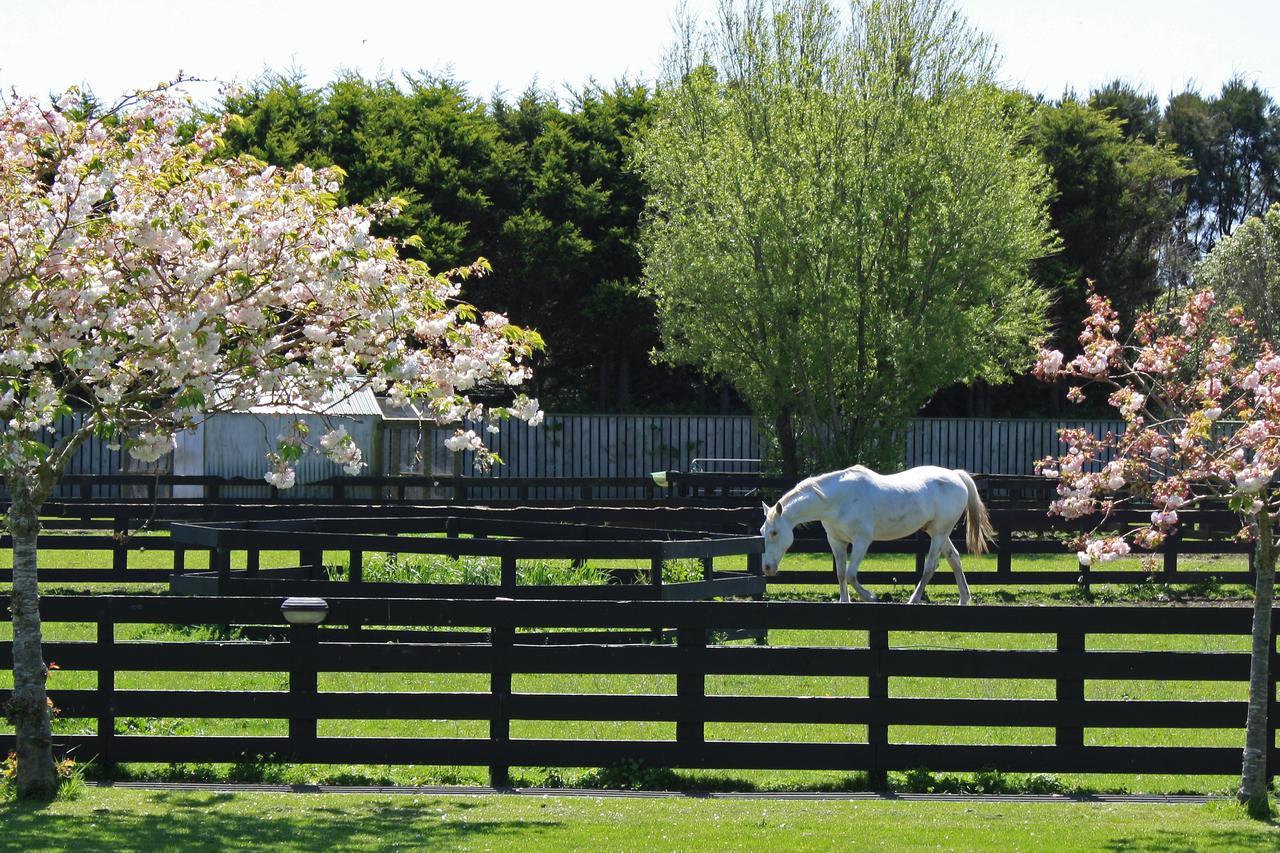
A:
(768, 510)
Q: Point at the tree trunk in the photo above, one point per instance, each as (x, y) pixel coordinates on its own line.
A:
(787, 445)
(1253, 774)
(28, 707)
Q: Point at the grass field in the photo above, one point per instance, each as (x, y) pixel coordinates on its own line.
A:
(127, 820)
(726, 685)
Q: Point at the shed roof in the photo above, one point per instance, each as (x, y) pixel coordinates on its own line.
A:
(341, 402)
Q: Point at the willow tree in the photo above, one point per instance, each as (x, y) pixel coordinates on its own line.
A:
(841, 219)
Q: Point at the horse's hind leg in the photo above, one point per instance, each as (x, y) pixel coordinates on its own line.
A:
(856, 553)
(953, 557)
(930, 566)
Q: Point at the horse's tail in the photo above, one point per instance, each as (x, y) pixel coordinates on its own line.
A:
(980, 529)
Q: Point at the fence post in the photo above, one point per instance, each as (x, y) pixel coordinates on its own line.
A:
(1171, 557)
(120, 551)
(655, 583)
(106, 694)
(878, 695)
(1004, 552)
(507, 582)
(304, 616)
(220, 562)
(179, 560)
(451, 532)
(312, 559)
(1069, 690)
(755, 566)
(691, 691)
(502, 638)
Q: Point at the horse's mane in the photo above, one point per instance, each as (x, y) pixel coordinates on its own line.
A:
(806, 484)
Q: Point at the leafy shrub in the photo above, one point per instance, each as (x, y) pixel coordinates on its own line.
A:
(440, 568)
(632, 775)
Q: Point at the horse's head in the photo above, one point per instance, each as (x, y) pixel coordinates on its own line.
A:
(778, 534)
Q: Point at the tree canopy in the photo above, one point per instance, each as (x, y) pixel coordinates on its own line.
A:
(841, 219)
(543, 190)
(1244, 269)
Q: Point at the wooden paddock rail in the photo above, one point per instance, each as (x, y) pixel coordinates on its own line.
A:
(503, 650)
(1020, 534)
(469, 532)
(685, 488)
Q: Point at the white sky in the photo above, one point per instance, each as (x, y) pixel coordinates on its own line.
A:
(119, 45)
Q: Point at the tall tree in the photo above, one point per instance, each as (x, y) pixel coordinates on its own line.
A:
(147, 281)
(1138, 112)
(1114, 204)
(841, 219)
(1233, 142)
(424, 141)
(543, 189)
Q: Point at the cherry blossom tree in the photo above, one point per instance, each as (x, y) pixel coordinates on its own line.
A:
(147, 280)
(1199, 393)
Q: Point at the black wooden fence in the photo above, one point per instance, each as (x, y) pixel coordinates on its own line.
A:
(504, 650)
(661, 488)
(1022, 536)
(459, 531)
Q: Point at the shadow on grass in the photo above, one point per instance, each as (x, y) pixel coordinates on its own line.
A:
(1165, 839)
(219, 821)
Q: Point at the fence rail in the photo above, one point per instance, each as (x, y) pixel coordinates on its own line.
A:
(1022, 536)
(503, 650)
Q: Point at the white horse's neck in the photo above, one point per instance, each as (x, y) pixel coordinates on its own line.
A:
(804, 504)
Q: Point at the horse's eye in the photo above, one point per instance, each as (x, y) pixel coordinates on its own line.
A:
(773, 533)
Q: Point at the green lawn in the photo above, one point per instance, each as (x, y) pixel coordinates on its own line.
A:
(126, 820)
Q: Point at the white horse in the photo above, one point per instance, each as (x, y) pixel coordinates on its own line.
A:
(857, 506)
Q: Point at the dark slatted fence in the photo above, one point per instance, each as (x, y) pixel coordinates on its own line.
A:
(870, 646)
(1023, 538)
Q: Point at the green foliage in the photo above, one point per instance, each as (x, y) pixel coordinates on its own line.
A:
(544, 191)
(632, 775)
(841, 220)
(1244, 269)
(71, 776)
(1138, 112)
(681, 571)
(918, 780)
(1115, 203)
(436, 568)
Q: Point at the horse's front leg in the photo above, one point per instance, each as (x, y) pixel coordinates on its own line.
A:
(856, 553)
(838, 553)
